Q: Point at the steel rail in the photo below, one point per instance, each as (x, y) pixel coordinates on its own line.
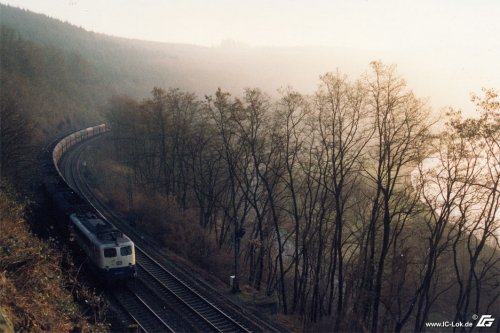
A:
(149, 320)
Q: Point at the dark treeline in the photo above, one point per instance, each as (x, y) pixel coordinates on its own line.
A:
(324, 199)
(44, 92)
(110, 64)
(56, 90)
(54, 78)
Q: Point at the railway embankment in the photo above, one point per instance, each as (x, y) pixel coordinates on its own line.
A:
(38, 288)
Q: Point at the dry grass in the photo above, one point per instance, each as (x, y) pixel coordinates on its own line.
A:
(33, 287)
(179, 231)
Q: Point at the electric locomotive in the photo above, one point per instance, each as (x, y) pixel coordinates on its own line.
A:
(110, 253)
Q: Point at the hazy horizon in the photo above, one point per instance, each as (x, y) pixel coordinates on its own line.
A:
(445, 50)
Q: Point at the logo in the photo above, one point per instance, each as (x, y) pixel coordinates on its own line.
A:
(485, 321)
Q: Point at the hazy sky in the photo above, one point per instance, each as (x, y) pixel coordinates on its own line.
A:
(457, 39)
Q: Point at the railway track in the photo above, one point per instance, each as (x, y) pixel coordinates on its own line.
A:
(147, 319)
(200, 310)
(141, 306)
(161, 291)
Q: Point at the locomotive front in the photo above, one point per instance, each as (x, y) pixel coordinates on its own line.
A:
(110, 252)
(117, 260)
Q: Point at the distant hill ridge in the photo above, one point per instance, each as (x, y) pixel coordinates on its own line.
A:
(121, 61)
(136, 66)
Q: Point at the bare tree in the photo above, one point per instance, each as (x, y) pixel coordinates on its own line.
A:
(223, 112)
(442, 183)
(344, 133)
(292, 111)
(479, 210)
(401, 134)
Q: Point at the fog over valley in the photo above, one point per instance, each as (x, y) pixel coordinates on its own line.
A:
(444, 51)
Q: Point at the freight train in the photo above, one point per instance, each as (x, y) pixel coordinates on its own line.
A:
(109, 253)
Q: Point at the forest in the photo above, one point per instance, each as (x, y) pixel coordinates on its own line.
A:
(327, 201)
(350, 205)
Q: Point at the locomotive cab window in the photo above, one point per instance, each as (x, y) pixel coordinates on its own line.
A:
(126, 250)
(110, 252)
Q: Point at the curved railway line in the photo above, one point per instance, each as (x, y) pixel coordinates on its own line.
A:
(163, 298)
